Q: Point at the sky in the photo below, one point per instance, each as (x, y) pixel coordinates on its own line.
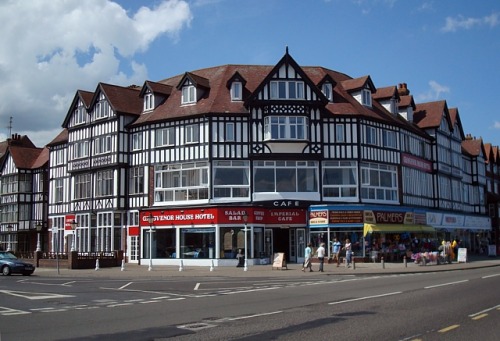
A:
(443, 49)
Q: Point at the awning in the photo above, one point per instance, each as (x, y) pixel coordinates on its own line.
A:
(370, 228)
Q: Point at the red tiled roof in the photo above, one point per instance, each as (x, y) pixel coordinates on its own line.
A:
(124, 100)
(61, 138)
(386, 93)
(429, 115)
(472, 147)
(25, 158)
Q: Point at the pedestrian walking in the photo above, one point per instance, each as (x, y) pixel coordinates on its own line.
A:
(336, 247)
(321, 256)
(308, 258)
(348, 252)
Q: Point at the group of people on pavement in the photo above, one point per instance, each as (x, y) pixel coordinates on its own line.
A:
(321, 253)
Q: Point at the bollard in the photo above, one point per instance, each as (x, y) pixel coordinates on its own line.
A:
(123, 265)
(353, 264)
(212, 266)
(404, 260)
(180, 266)
(382, 262)
(97, 264)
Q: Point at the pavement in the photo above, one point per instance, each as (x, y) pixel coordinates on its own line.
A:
(257, 271)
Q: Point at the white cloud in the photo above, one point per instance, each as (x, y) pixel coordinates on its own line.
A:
(57, 47)
(460, 22)
(434, 93)
(496, 125)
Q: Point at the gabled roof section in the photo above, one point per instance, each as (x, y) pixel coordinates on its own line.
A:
(85, 97)
(156, 88)
(496, 154)
(327, 79)
(61, 138)
(406, 101)
(473, 147)
(236, 78)
(429, 115)
(386, 93)
(124, 100)
(287, 60)
(488, 149)
(197, 81)
(356, 84)
(25, 158)
(456, 121)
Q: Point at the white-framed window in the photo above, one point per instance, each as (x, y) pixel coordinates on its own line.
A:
(285, 128)
(379, 183)
(188, 94)
(80, 149)
(287, 89)
(82, 186)
(285, 176)
(181, 182)
(137, 141)
(371, 135)
(366, 97)
(192, 133)
(25, 183)
(165, 137)
(58, 190)
(104, 183)
(102, 108)
(339, 133)
(9, 184)
(389, 138)
(327, 90)
(102, 144)
(136, 180)
(231, 179)
(340, 180)
(80, 116)
(230, 133)
(149, 101)
(59, 156)
(236, 91)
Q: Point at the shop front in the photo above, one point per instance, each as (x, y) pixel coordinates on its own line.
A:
(213, 236)
(374, 232)
(473, 232)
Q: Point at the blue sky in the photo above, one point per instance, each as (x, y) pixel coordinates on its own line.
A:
(443, 49)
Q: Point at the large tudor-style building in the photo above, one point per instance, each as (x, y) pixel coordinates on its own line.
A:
(260, 158)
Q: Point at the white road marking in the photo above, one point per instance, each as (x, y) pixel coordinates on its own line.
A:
(485, 311)
(445, 284)
(366, 297)
(33, 295)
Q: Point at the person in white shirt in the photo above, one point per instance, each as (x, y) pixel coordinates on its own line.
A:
(321, 256)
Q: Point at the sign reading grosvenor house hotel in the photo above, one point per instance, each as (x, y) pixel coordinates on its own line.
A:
(222, 216)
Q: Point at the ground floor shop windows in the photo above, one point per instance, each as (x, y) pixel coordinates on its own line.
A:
(327, 236)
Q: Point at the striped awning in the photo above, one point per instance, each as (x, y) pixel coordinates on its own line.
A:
(393, 228)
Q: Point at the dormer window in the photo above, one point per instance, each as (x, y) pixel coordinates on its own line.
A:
(366, 97)
(236, 91)
(327, 91)
(188, 94)
(149, 101)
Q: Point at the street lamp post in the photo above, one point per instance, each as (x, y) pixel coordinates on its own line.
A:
(151, 220)
(39, 227)
(245, 220)
(9, 230)
(73, 225)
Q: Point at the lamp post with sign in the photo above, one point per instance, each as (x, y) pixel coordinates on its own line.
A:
(9, 230)
(151, 220)
(73, 225)
(39, 227)
(245, 220)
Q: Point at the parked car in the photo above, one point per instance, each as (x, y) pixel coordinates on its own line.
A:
(10, 264)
